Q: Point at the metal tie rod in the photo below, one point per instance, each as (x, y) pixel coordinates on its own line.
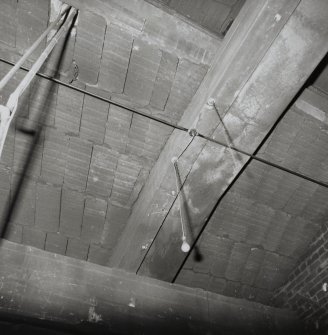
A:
(167, 123)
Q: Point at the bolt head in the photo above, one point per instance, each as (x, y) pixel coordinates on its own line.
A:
(211, 102)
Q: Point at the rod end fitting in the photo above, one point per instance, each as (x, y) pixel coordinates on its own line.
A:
(192, 132)
(185, 246)
(211, 102)
(174, 160)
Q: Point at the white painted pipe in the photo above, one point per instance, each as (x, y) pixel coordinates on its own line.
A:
(185, 247)
(7, 112)
(30, 50)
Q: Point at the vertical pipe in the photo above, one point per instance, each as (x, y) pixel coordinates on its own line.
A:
(211, 103)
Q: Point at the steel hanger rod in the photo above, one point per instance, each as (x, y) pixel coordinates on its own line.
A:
(99, 97)
(30, 50)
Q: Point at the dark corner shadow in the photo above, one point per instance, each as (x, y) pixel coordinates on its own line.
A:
(318, 70)
(41, 120)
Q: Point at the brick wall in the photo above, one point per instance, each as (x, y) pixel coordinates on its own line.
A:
(306, 290)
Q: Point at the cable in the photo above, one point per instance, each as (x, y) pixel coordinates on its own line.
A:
(174, 126)
(264, 161)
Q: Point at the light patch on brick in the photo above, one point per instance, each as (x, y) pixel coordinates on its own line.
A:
(54, 157)
(115, 58)
(32, 18)
(311, 110)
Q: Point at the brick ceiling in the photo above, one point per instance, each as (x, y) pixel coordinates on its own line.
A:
(213, 15)
(265, 223)
(93, 158)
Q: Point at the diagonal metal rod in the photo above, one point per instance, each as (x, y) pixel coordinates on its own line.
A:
(185, 245)
(211, 103)
(174, 126)
(185, 225)
(4, 81)
(264, 161)
(7, 112)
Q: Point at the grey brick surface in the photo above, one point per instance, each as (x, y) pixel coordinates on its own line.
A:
(56, 243)
(88, 47)
(115, 58)
(77, 164)
(71, 213)
(47, 208)
(77, 249)
(93, 220)
(102, 171)
(94, 118)
(68, 110)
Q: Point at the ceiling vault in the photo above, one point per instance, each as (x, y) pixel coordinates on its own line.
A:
(150, 244)
(185, 141)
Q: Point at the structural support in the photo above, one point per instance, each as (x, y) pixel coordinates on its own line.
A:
(280, 42)
(4, 81)
(42, 285)
(7, 112)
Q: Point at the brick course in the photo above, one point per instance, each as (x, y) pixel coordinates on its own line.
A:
(304, 290)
